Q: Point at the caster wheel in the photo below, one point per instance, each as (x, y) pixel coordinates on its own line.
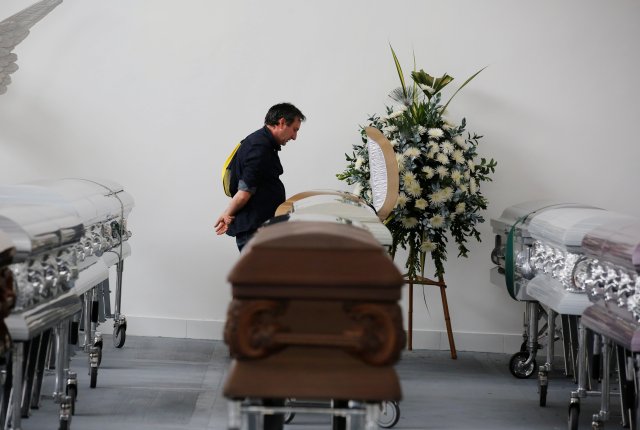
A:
(574, 414)
(119, 336)
(99, 355)
(543, 395)
(94, 377)
(389, 414)
(517, 368)
(64, 425)
(597, 425)
(288, 417)
(72, 392)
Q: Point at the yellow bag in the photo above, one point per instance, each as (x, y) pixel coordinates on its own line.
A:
(227, 171)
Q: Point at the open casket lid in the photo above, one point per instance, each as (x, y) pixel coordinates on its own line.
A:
(290, 258)
(384, 181)
(617, 242)
(566, 227)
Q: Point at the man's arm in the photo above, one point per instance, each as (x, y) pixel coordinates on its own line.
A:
(237, 202)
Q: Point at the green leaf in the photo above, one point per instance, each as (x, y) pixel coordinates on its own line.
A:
(462, 86)
(399, 69)
(423, 78)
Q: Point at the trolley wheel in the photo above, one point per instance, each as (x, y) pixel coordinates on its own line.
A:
(574, 414)
(389, 414)
(94, 377)
(119, 336)
(597, 425)
(288, 417)
(64, 424)
(516, 365)
(72, 391)
(543, 395)
(523, 346)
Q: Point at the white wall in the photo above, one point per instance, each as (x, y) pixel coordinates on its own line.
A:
(154, 94)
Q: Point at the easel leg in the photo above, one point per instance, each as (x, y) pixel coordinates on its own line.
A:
(447, 320)
(410, 319)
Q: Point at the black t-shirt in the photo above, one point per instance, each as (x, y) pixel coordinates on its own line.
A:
(258, 167)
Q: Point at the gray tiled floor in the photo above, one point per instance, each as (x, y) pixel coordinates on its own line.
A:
(170, 384)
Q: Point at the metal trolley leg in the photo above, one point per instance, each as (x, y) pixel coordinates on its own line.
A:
(523, 363)
(119, 320)
(603, 415)
(543, 371)
(581, 392)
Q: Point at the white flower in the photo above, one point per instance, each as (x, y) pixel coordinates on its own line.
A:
(432, 154)
(435, 133)
(447, 193)
(408, 177)
(400, 158)
(412, 152)
(459, 140)
(409, 223)
(437, 198)
(442, 172)
(389, 129)
(447, 147)
(428, 171)
(421, 204)
(437, 221)
(432, 144)
(395, 114)
(442, 159)
(413, 189)
(357, 190)
(460, 208)
(463, 188)
(422, 129)
(471, 165)
(456, 176)
(458, 156)
(402, 200)
(427, 246)
(394, 142)
(359, 162)
(467, 175)
(473, 187)
(427, 88)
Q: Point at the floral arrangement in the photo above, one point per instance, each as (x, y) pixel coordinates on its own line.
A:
(440, 175)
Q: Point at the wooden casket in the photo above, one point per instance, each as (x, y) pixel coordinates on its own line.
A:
(314, 315)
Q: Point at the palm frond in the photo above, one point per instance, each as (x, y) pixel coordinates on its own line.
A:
(399, 70)
(462, 86)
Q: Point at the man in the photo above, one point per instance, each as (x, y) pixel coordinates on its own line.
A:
(257, 168)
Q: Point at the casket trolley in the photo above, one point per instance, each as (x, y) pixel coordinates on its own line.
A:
(314, 317)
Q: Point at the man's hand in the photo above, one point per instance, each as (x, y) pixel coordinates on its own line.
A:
(222, 224)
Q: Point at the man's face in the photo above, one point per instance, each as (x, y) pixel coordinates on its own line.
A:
(284, 133)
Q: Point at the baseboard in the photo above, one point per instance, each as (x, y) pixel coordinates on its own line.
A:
(422, 339)
(174, 327)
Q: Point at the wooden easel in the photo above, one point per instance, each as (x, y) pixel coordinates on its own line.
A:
(420, 280)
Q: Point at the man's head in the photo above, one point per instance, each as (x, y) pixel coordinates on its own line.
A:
(284, 121)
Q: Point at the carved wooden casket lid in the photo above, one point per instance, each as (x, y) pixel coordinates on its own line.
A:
(287, 260)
